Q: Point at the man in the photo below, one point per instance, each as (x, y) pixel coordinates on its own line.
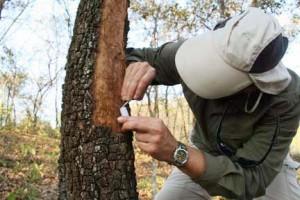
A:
(246, 105)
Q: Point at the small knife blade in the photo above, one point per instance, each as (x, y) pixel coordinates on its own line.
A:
(124, 109)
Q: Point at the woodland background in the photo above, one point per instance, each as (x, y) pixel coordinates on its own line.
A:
(34, 40)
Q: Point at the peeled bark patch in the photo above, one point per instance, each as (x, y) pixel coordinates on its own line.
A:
(110, 64)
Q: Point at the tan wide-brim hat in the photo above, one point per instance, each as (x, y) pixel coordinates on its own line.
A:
(220, 63)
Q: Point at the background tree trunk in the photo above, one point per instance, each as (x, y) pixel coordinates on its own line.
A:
(1, 6)
(96, 161)
(255, 3)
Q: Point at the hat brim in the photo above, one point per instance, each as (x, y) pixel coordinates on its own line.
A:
(204, 71)
(273, 81)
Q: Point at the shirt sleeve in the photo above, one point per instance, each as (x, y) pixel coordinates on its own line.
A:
(226, 176)
(162, 59)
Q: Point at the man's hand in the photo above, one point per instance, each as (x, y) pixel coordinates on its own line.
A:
(152, 136)
(138, 77)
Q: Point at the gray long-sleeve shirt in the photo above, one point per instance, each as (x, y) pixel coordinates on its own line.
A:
(251, 135)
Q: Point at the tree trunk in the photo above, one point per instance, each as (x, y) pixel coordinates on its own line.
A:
(255, 3)
(222, 8)
(1, 6)
(96, 161)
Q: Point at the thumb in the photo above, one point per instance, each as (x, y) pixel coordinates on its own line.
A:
(122, 119)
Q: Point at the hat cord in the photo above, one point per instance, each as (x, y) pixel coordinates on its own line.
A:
(255, 105)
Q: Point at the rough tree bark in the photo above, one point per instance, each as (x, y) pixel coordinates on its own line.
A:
(96, 161)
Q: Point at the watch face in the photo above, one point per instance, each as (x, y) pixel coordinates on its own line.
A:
(181, 155)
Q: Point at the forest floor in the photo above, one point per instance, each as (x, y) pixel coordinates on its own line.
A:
(28, 168)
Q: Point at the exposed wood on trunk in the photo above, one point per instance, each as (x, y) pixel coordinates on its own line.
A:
(110, 64)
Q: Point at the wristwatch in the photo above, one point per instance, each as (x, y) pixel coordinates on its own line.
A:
(181, 155)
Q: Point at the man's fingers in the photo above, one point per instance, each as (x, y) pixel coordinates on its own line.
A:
(144, 83)
(130, 75)
(131, 123)
(129, 71)
(134, 82)
(135, 125)
(139, 124)
(122, 119)
(136, 73)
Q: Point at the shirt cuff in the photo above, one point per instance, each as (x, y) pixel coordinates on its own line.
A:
(130, 59)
